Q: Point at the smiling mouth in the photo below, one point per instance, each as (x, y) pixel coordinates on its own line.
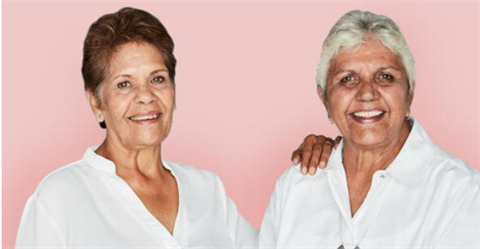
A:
(368, 114)
(145, 117)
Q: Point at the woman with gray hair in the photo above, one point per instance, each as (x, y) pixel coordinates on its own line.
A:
(387, 185)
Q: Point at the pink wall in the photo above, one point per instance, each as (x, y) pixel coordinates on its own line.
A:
(245, 88)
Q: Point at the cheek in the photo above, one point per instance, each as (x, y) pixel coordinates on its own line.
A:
(116, 106)
(398, 105)
(338, 103)
(398, 101)
(167, 98)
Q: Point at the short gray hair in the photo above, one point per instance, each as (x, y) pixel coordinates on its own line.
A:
(353, 29)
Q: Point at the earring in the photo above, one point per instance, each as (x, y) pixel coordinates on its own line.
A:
(101, 122)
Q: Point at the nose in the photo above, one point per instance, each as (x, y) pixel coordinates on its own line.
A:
(144, 95)
(367, 92)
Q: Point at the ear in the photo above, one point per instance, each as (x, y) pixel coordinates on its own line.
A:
(410, 98)
(94, 104)
(322, 95)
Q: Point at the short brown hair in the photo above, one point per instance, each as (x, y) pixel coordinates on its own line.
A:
(113, 30)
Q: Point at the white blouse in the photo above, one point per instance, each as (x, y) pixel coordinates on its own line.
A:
(85, 204)
(425, 199)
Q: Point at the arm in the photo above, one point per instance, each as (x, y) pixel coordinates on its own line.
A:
(268, 236)
(38, 228)
(314, 152)
(241, 232)
(464, 229)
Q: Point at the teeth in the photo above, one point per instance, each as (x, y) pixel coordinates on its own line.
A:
(367, 114)
(145, 117)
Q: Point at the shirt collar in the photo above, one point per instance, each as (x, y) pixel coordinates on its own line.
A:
(412, 164)
(98, 162)
(336, 158)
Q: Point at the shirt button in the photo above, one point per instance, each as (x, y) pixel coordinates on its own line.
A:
(382, 176)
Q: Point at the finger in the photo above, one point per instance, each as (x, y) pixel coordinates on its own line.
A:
(327, 150)
(306, 155)
(303, 169)
(337, 141)
(316, 154)
(296, 156)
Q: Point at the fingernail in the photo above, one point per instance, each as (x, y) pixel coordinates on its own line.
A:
(322, 165)
(304, 170)
(312, 170)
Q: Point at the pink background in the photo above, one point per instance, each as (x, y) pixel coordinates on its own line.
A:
(246, 93)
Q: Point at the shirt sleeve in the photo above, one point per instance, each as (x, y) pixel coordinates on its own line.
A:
(271, 220)
(464, 229)
(37, 228)
(244, 235)
(240, 230)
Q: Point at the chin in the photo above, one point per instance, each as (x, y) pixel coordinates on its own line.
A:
(149, 139)
(370, 138)
(145, 144)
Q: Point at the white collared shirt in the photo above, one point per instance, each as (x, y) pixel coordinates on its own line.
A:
(85, 205)
(425, 199)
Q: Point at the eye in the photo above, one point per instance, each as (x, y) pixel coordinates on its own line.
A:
(385, 78)
(123, 84)
(158, 79)
(349, 80)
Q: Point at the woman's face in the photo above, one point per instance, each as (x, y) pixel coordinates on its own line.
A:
(367, 94)
(138, 97)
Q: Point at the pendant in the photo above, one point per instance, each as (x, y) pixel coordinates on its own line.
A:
(342, 247)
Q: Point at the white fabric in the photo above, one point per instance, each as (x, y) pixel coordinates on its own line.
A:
(425, 199)
(86, 205)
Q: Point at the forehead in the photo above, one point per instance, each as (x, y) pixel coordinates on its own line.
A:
(135, 54)
(369, 55)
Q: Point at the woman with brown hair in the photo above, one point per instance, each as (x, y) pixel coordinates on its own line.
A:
(122, 194)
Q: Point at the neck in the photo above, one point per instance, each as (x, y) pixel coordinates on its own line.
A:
(133, 162)
(370, 159)
(361, 162)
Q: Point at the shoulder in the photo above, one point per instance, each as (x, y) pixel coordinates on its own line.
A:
(449, 167)
(441, 165)
(454, 181)
(292, 179)
(62, 183)
(293, 175)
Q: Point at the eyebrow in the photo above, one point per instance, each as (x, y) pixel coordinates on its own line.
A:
(391, 67)
(343, 71)
(380, 69)
(158, 71)
(128, 75)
